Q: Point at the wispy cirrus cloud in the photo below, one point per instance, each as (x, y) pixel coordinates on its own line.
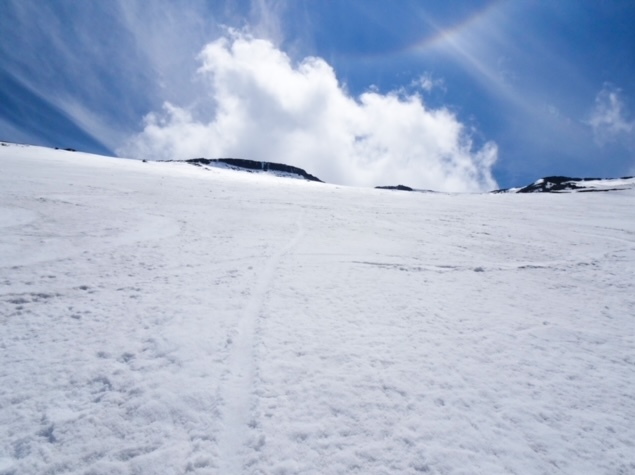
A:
(100, 66)
(268, 108)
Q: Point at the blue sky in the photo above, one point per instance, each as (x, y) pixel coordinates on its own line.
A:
(460, 95)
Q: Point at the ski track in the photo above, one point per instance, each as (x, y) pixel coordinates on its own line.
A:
(238, 383)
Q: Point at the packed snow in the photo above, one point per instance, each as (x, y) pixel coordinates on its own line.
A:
(160, 318)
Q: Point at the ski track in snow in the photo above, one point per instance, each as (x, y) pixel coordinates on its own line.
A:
(238, 386)
(158, 318)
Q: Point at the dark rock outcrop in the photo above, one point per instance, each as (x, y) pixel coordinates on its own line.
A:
(563, 184)
(398, 187)
(253, 165)
(554, 184)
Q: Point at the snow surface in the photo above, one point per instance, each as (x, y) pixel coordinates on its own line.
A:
(159, 318)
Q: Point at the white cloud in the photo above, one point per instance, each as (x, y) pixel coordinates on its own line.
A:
(265, 19)
(609, 119)
(427, 82)
(267, 108)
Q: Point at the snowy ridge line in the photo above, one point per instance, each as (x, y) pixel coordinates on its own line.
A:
(237, 389)
(564, 184)
(549, 184)
(278, 169)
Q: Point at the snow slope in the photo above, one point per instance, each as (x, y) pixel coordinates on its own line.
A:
(162, 318)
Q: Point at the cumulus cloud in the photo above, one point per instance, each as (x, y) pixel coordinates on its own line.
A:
(265, 107)
(609, 119)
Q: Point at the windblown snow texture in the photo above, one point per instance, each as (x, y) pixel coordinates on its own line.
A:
(165, 318)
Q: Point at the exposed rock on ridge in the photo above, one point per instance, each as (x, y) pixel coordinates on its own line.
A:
(391, 187)
(403, 188)
(564, 184)
(253, 165)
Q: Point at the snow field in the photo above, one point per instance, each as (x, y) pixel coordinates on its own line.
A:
(160, 318)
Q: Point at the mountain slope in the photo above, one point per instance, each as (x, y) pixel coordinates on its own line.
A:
(163, 318)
